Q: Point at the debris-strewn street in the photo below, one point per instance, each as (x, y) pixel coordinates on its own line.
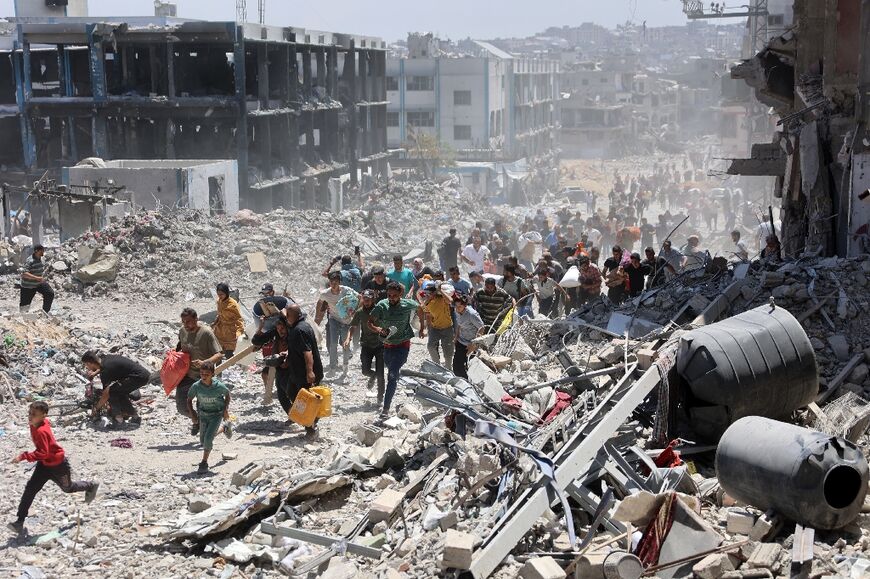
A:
(585, 299)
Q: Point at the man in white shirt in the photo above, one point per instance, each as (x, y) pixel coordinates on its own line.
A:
(741, 252)
(341, 302)
(474, 255)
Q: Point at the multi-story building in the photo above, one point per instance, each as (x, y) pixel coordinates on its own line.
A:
(295, 107)
(488, 105)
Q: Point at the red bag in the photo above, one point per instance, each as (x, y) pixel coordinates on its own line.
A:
(175, 367)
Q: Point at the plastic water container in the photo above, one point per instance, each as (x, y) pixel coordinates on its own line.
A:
(305, 408)
(324, 392)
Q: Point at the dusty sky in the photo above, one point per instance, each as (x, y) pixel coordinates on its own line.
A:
(392, 19)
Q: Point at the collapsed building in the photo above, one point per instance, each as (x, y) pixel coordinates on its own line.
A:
(815, 77)
(294, 107)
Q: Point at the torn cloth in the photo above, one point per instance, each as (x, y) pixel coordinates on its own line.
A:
(495, 432)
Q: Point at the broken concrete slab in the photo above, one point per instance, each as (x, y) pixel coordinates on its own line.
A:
(840, 346)
(385, 505)
(739, 521)
(713, 566)
(542, 568)
(766, 556)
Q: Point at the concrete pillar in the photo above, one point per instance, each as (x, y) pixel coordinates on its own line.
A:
(350, 77)
(336, 196)
(242, 119)
(320, 59)
(170, 70)
(154, 66)
(263, 74)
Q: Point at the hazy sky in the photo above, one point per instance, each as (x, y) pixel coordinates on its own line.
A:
(392, 19)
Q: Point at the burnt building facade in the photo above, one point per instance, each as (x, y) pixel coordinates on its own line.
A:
(294, 107)
(815, 79)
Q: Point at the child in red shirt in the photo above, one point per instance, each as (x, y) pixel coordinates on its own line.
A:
(51, 464)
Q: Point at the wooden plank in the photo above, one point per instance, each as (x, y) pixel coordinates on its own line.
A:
(819, 304)
(235, 358)
(270, 381)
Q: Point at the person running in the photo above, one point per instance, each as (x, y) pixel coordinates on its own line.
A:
(51, 464)
(439, 321)
(229, 324)
(391, 319)
(197, 340)
(120, 378)
(335, 299)
(212, 407)
(468, 325)
(33, 282)
(371, 346)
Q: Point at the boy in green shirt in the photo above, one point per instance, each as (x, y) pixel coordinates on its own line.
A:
(213, 404)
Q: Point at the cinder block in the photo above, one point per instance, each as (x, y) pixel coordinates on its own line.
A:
(542, 568)
(645, 358)
(713, 566)
(385, 505)
(739, 522)
(765, 556)
(458, 549)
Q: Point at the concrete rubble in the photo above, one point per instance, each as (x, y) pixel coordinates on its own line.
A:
(469, 475)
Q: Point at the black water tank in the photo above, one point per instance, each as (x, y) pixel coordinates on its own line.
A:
(758, 363)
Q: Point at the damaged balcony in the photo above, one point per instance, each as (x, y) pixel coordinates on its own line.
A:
(294, 107)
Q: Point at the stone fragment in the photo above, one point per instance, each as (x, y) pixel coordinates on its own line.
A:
(542, 568)
(766, 526)
(859, 374)
(713, 566)
(448, 521)
(198, 503)
(383, 507)
(765, 556)
(739, 522)
(458, 549)
(840, 346)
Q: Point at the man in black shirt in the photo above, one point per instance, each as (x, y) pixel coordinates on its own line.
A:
(120, 377)
(303, 356)
(449, 251)
(377, 283)
(637, 273)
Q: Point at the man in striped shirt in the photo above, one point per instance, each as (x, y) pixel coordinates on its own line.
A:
(33, 281)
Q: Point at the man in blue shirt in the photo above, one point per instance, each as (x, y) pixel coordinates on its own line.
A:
(403, 275)
(462, 286)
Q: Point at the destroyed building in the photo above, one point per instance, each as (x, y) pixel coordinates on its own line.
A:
(295, 107)
(814, 80)
(487, 105)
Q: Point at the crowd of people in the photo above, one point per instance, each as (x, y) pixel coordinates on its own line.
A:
(543, 264)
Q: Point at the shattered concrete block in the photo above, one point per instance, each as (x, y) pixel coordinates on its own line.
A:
(645, 358)
(859, 374)
(542, 568)
(198, 504)
(458, 549)
(698, 303)
(612, 354)
(713, 566)
(765, 556)
(247, 474)
(385, 505)
(766, 526)
(840, 346)
(367, 434)
(590, 566)
(596, 363)
(739, 522)
(448, 521)
(385, 482)
(772, 279)
(339, 569)
(411, 413)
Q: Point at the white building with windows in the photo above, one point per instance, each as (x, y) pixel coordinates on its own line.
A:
(484, 106)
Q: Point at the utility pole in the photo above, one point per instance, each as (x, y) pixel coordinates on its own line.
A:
(261, 10)
(241, 11)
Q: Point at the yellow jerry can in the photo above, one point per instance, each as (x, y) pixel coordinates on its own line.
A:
(305, 408)
(326, 404)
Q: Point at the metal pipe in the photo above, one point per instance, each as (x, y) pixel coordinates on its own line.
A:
(815, 479)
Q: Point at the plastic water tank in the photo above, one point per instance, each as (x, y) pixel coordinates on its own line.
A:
(814, 479)
(758, 363)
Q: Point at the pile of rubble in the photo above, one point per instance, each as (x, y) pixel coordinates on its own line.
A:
(554, 456)
(182, 254)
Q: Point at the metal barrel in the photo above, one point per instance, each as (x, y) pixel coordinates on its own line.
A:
(814, 479)
(758, 363)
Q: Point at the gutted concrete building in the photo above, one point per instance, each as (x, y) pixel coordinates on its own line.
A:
(294, 107)
(815, 78)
